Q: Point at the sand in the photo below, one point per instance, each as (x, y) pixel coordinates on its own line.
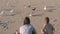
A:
(13, 12)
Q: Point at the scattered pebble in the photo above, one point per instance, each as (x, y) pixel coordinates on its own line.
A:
(11, 15)
(33, 9)
(29, 5)
(55, 20)
(45, 8)
(8, 12)
(5, 25)
(6, 29)
(36, 14)
(30, 15)
(2, 12)
(11, 10)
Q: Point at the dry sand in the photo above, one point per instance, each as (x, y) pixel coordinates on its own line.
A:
(13, 12)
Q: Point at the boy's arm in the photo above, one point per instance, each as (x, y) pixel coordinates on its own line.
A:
(53, 28)
(43, 29)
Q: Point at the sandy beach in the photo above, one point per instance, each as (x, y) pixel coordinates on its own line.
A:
(13, 12)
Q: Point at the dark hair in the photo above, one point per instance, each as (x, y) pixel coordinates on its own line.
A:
(47, 18)
(27, 20)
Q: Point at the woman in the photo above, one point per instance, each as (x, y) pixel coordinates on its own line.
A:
(27, 28)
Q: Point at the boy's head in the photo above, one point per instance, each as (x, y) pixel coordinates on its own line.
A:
(46, 20)
(27, 20)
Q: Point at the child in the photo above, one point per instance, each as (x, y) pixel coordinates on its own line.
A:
(47, 28)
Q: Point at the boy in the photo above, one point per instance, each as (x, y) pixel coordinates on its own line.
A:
(47, 28)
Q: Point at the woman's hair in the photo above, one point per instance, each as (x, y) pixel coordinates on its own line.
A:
(27, 20)
(47, 19)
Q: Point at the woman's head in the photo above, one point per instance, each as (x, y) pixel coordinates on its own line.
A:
(46, 20)
(27, 20)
